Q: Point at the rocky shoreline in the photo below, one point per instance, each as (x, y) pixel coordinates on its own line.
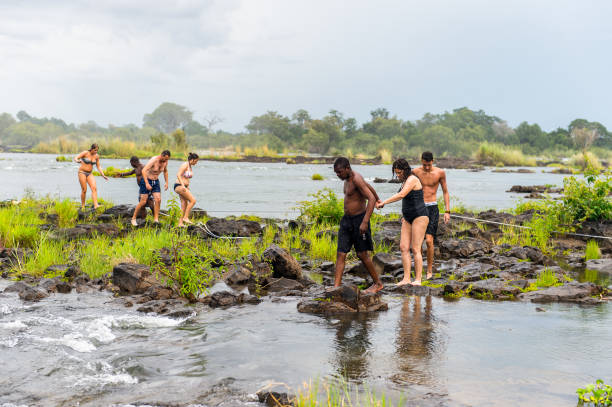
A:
(468, 264)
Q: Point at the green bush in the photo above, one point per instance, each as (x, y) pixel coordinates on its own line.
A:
(325, 208)
(588, 198)
(317, 177)
(598, 394)
(62, 159)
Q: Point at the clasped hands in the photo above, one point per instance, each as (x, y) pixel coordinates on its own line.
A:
(379, 204)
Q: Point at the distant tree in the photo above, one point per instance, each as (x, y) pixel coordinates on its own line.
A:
(168, 117)
(583, 137)
(271, 123)
(23, 116)
(160, 141)
(336, 118)
(350, 127)
(6, 120)
(301, 117)
(179, 140)
(211, 120)
(381, 112)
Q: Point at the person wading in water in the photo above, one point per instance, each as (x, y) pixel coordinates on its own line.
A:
(355, 224)
(150, 178)
(87, 160)
(137, 170)
(431, 177)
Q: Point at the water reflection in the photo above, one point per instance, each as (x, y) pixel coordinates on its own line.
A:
(415, 342)
(352, 345)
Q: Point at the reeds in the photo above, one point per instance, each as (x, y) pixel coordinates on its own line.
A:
(500, 155)
(592, 251)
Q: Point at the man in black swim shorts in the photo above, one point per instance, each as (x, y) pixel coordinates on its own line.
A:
(359, 202)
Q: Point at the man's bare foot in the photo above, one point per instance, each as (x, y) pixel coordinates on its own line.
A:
(429, 275)
(374, 288)
(405, 281)
(416, 282)
(187, 221)
(134, 223)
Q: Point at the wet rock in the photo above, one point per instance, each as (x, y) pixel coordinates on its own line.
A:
(385, 263)
(522, 284)
(118, 212)
(69, 271)
(165, 307)
(227, 227)
(389, 233)
(476, 271)
(518, 252)
(17, 287)
(344, 299)
(14, 255)
(463, 247)
(569, 292)
(26, 292)
(493, 288)
(157, 292)
(602, 228)
(409, 289)
(63, 288)
(237, 275)
(527, 189)
(227, 299)
(49, 285)
(455, 287)
(328, 266)
(283, 284)
(283, 264)
(525, 269)
(295, 225)
(197, 213)
(274, 397)
(132, 278)
(601, 265)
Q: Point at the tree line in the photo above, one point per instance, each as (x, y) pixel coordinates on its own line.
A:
(456, 133)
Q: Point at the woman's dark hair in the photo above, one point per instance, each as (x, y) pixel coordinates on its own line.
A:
(192, 156)
(401, 164)
(93, 146)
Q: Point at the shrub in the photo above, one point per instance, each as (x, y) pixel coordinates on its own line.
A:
(598, 394)
(325, 208)
(588, 198)
(62, 159)
(317, 177)
(493, 154)
(592, 250)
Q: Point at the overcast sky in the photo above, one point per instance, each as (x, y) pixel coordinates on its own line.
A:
(542, 61)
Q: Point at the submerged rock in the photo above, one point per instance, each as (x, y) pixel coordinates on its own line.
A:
(26, 292)
(344, 299)
(601, 265)
(227, 299)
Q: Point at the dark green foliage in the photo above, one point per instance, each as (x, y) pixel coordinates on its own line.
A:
(325, 208)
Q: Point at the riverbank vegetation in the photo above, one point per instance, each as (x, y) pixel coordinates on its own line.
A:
(462, 133)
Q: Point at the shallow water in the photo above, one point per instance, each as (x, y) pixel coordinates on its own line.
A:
(253, 188)
(89, 350)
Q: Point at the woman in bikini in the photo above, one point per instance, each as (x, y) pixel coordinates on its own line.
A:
(87, 159)
(181, 187)
(414, 219)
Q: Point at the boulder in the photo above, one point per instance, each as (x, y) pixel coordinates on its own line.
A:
(569, 292)
(227, 299)
(476, 271)
(344, 299)
(17, 287)
(283, 284)
(347, 294)
(33, 294)
(275, 396)
(493, 288)
(132, 278)
(157, 292)
(85, 231)
(601, 265)
(49, 285)
(328, 266)
(418, 290)
(169, 307)
(388, 233)
(119, 212)
(385, 263)
(468, 247)
(197, 213)
(237, 275)
(379, 180)
(283, 264)
(227, 227)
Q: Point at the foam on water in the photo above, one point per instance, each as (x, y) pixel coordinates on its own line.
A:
(104, 379)
(73, 341)
(9, 342)
(13, 325)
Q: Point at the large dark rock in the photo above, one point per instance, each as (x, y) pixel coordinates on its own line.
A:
(283, 284)
(275, 396)
(14, 255)
(132, 278)
(26, 292)
(17, 287)
(526, 189)
(227, 299)
(476, 271)
(227, 227)
(119, 212)
(283, 264)
(237, 275)
(463, 247)
(385, 263)
(389, 233)
(569, 292)
(602, 228)
(347, 294)
(85, 231)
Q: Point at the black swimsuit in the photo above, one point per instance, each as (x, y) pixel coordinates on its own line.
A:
(413, 205)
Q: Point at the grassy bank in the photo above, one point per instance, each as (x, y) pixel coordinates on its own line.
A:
(500, 155)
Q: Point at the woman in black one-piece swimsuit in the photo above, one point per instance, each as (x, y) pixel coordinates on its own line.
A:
(414, 219)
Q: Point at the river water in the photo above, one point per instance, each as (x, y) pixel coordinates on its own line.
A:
(88, 350)
(224, 188)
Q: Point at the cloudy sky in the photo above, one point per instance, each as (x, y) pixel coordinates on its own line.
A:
(113, 61)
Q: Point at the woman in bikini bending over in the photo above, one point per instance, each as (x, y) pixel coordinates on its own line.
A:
(87, 159)
(181, 187)
(414, 219)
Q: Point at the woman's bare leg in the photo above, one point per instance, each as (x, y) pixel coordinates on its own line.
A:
(419, 226)
(91, 180)
(83, 183)
(190, 204)
(405, 249)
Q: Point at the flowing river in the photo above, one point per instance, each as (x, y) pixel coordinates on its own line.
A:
(266, 189)
(89, 350)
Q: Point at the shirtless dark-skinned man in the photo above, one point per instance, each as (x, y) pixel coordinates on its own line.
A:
(431, 177)
(137, 170)
(359, 202)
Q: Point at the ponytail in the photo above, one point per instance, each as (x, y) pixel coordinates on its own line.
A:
(192, 156)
